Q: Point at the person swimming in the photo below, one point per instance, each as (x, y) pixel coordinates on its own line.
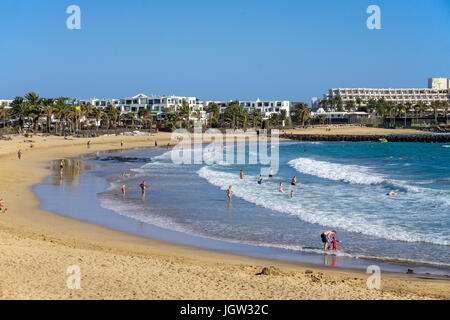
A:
(391, 193)
(281, 187)
(260, 179)
(294, 181)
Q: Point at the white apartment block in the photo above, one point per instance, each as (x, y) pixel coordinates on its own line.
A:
(265, 108)
(5, 103)
(438, 90)
(158, 105)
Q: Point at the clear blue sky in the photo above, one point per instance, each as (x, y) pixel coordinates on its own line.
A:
(217, 49)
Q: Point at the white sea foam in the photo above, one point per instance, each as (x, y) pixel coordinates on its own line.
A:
(338, 172)
(266, 195)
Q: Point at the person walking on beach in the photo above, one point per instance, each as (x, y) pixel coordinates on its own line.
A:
(281, 187)
(121, 143)
(326, 238)
(242, 174)
(61, 164)
(89, 144)
(19, 154)
(229, 193)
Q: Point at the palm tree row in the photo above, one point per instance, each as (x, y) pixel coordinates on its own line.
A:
(387, 108)
(32, 111)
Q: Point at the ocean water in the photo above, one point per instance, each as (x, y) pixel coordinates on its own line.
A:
(340, 186)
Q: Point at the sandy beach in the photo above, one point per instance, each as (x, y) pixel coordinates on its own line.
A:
(37, 247)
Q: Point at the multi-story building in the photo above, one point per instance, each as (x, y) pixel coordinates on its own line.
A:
(265, 108)
(438, 90)
(158, 105)
(5, 103)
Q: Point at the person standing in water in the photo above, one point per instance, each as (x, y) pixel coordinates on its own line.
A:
(124, 188)
(143, 187)
(230, 193)
(292, 194)
(61, 164)
(326, 238)
(271, 173)
(294, 181)
(260, 179)
(281, 187)
(242, 174)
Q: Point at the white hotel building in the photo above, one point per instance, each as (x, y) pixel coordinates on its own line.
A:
(265, 108)
(5, 103)
(159, 104)
(438, 90)
(156, 104)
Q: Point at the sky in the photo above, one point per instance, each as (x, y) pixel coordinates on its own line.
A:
(219, 50)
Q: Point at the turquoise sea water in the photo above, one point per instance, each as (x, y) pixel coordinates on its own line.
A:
(341, 186)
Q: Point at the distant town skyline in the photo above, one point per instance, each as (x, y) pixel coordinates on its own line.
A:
(272, 50)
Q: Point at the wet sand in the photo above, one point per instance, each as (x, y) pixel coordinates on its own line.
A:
(37, 247)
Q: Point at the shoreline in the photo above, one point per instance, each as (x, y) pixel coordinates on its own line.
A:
(25, 226)
(235, 247)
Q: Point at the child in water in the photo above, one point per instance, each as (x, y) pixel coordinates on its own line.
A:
(333, 243)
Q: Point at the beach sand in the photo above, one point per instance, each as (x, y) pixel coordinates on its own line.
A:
(37, 247)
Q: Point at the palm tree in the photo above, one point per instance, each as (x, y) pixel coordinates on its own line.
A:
(96, 113)
(19, 110)
(407, 107)
(445, 106)
(184, 112)
(420, 108)
(358, 102)
(131, 116)
(435, 105)
(350, 105)
(304, 113)
(34, 108)
(49, 110)
(113, 115)
(234, 114)
(255, 118)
